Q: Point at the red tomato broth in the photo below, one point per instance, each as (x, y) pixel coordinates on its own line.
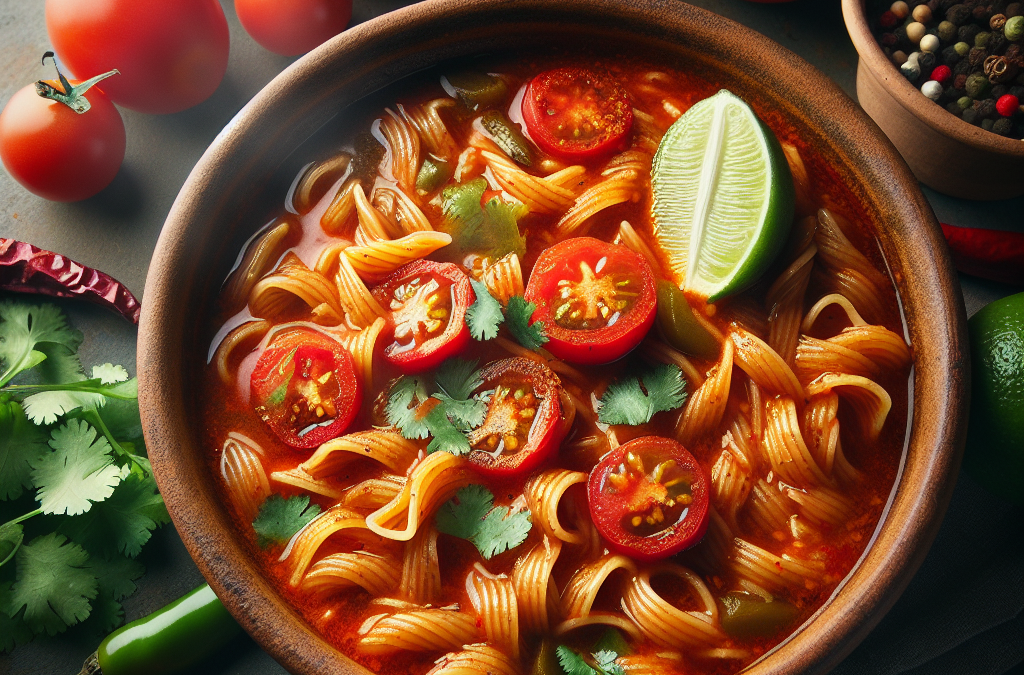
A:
(338, 617)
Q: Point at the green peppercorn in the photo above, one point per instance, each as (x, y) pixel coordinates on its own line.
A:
(981, 39)
(947, 31)
(977, 85)
(964, 102)
(1014, 28)
(987, 124)
(962, 48)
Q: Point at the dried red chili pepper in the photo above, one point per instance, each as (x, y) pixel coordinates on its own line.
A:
(25, 268)
(997, 255)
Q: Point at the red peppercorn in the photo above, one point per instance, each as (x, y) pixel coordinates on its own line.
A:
(888, 19)
(941, 74)
(1007, 105)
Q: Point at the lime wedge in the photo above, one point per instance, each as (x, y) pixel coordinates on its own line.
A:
(723, 197)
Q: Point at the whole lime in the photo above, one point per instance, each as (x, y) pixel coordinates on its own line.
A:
(995, 435)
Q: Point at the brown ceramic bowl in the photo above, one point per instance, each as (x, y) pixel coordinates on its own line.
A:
(215, 212)
(944, 152)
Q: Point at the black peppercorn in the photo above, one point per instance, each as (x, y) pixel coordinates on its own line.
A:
(996, 43)
(970, 116)
(901, 36)
(927, 61)
(960, 80)
(968, 32)
(953, 107)
(986, 108)
(987, 124)
(962, 68)
(958, 14)
(950, 56)
(944, 5)
(1017, 91)
(981, 14)
(1002, 127)
(1014, 9)
(999, 90)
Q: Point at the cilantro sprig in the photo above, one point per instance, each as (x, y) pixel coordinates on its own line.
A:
(485, 317)
(71, 450)
(634, 400)
(602, 663)
(471, 515)
(280, 518)
(443, 410)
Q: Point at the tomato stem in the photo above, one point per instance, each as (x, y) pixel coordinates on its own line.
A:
(73, 96)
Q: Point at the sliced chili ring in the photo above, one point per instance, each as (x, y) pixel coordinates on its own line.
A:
(649, 498)
(576, 114)
(597, 300)
(305, 387)
(428, 302)
(524, 423)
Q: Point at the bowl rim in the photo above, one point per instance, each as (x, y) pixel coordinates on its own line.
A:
(910, 97)
(924, 274)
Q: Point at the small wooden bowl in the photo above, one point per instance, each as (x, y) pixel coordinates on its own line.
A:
(218, 209)
(944, 152)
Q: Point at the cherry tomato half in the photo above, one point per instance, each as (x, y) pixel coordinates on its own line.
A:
(305, 388)
(293, 27)
(649, 498)
(524, 425)
(576, 114)
(597, 300)
(171, 54)
(57, 153)
(428, 302)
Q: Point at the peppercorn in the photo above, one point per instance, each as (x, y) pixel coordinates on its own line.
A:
(970, 116)
(964, 102)
(1015, 52)
(1014, 9)
(967, 33)
(962, 49)
(1014, 28)
(932, 90)
(997, 22)
(976, 57)
(1002, 127)
(981, 39)
(900, 9)
(944, 5)
(912, 71)
(1007, 105)
(901, 34)
(958, 14)
(987, 124)
(916, 31)
(981, 13)
(962, 68)
(986, 108)
(996, 43)
(941, 74)
(888, 40)
(976, 86)
(922, 13)
(946, 32)
(1017, 91)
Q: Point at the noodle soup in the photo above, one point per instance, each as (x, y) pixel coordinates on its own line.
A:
(462, 433)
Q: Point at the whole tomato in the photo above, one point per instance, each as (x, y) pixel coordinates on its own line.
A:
(56, 152)
(293, 27)
(172, 54)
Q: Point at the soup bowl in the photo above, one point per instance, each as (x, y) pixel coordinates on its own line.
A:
(220, 206)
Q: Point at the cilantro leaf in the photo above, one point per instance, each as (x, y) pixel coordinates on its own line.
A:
(77, 473)
(23, 328)
(517, 318)
(471, 515)
(445, 436)
(11, 536)
(62, 364)
(281, 517)
(13, 630)
(484, 316)
(55, 400)
(54, 584)
(456, 380)
(572, 663)
(634, 400)
(108, 373)
(460, 516)
(122, 523)
(490, 231)
(21, 444)
(115, 581)
(403, 404)
(605, 661)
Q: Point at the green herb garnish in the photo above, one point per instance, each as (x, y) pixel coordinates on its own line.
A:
(471, 515)
(281, 517)
(517, 317)
(484, 316)
(634, 400)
